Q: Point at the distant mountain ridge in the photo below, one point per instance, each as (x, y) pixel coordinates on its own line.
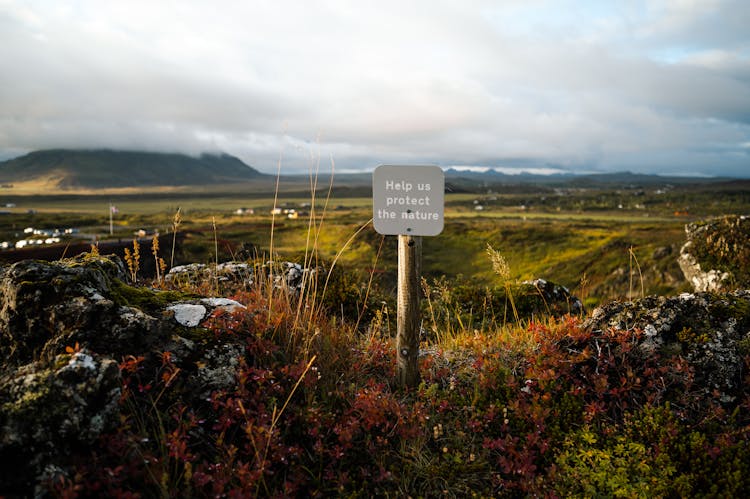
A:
(99, 169)
(105, 168)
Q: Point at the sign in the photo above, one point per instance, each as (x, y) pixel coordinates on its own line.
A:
(408, 200)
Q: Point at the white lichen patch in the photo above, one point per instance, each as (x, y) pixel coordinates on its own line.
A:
(225, 303)
(132, 314)
(234, 267)
(188, 314)
(82, 360)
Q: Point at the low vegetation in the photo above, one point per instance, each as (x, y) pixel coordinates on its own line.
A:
(548, 407)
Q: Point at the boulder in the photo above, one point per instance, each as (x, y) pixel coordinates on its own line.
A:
(48, 409)
(47, 306)
(64, 328)
(525, 301)
(556, 298)
(228, 272)
(711, 331)
(716, 255)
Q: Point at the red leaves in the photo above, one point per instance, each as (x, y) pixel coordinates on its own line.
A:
(499, 410)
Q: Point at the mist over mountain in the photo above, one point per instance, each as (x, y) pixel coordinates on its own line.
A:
(84, 169)
(75, 169)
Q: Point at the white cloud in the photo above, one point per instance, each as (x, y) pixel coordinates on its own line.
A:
(582, 84)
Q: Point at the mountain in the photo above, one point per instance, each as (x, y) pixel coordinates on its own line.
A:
(104, 168)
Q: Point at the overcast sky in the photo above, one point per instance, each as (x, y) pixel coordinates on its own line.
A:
(657, 86)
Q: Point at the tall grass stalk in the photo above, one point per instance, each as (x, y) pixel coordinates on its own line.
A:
(133, 260)
(341, 251)
(502, 269)
(369, 283)
(273, 225)
(175, 225)
(634, 259)
(308, 297)
(216, 255)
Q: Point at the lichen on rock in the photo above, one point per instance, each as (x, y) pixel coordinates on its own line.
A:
(46, 306)
(192, 314)
(64, 327)
(707, 329)
(716, 255)
(49, 408)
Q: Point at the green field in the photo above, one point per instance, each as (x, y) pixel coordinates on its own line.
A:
(601, 244)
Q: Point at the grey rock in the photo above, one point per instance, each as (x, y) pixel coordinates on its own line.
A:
(46, 306)
(192, 314)
(225, 273)
(716, 255)
(63, 328)
(49, 408)
(218, 368)
(701, 280)
(557, 297)
(289, 276)
(706, 329)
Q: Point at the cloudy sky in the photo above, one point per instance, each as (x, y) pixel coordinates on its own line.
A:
(655, 86)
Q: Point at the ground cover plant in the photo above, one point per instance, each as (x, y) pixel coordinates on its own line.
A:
(548, 408)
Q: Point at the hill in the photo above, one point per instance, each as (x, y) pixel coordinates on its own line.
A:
(95, 169)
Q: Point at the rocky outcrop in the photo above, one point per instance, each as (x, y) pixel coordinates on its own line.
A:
(717, 254)
(701, 280)
(284, 275)
(711, 331)
(65, 327)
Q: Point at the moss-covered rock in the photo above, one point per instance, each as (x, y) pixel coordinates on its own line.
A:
(716, 255)
(709, 330)
(49, 408)
(64, 328)
(46, 306)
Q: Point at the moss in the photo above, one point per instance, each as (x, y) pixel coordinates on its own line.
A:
(146, 299)
(722, 244)
(724, 308)
(28, 403)
(689, 336)
(195, 334)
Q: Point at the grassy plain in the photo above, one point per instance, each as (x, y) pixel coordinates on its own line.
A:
(602, 244)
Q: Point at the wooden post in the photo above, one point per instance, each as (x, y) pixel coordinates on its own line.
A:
(407, 342)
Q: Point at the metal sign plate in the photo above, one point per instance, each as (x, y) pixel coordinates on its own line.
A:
(408, 200)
